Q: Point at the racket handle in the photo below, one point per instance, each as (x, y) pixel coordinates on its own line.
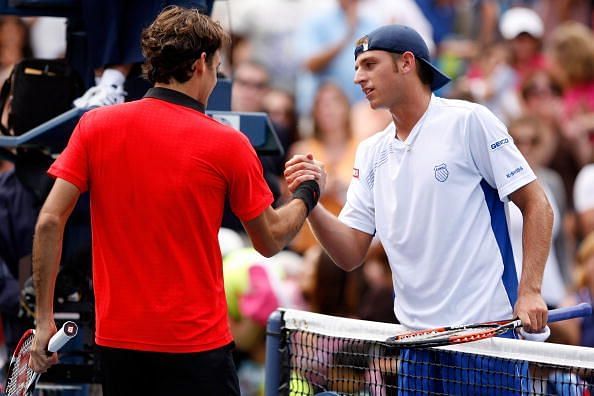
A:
(577, 311)
(68, 330)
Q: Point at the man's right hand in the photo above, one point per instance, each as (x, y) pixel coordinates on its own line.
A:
(41, 359)
(301, 168)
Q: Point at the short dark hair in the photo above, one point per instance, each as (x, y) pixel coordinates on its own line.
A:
(175, 39)
(423, 70)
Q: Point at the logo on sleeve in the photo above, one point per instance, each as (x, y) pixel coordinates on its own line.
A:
(514, 172)
(355, 173)
(499, 143)
(441, 172)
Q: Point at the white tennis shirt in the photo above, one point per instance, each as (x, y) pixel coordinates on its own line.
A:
(438, 203)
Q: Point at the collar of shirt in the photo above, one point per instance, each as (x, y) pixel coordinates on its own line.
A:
(175, 97)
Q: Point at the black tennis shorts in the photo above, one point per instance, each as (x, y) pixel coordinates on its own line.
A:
(127, 372)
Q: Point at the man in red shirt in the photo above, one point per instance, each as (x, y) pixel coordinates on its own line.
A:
(159, 172)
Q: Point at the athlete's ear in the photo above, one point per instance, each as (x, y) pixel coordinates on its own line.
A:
(407, 60)
(199, 64)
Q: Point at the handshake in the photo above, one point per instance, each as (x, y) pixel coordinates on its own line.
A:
(306, 179)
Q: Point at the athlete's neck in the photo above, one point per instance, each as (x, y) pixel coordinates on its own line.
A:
(187, 88)
(407, 113)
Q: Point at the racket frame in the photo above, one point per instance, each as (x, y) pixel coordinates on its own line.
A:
(66, 332)
(455, 334)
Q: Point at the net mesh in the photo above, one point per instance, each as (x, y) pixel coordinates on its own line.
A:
(348, 357)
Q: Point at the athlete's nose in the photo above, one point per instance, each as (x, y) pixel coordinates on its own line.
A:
(359, 77)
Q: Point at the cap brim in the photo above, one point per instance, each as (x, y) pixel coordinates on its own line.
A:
(439, 78)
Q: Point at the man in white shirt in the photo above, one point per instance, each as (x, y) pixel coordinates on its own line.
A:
(433, 186)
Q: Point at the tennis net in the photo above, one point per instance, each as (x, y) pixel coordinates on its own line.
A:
(308, 354)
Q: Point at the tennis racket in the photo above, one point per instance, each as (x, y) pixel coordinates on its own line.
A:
(21, 379)
(474, 332)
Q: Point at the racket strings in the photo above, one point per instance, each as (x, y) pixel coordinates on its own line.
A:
(21, 374)
(443, 337)
(447, 333)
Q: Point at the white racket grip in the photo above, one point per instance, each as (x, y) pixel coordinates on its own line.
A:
(68, 330)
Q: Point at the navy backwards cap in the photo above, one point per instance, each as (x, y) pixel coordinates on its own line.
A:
(399, 39)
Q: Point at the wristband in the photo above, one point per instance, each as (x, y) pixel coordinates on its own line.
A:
(309, 193)
(540, 337)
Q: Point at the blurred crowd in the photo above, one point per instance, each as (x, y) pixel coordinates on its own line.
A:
(531, 62)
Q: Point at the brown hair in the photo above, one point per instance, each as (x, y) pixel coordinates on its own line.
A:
(527, 120)
(173, 42)
(335, 292)
(572, 45)
(344, 100)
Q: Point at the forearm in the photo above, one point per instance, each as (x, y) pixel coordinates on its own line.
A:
(47, 249)
(275, 228)
(536, 241)
(489, 17)
(320, 61)
(347, 247)
(289, 220)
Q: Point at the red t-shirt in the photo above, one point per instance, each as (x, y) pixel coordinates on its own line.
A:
(159, 173)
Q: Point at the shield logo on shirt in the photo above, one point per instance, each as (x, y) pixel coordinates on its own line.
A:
(441, 172)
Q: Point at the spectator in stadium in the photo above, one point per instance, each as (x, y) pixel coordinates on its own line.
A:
(112, 46)
(491, 82)
(333, 144)
(533, 139)
(542, 97)
(433, 187)
(250, 85)
(156, 259)
(279, 104)
(264, 32)
(523, 29)
(556, 12)
(323, 45)
(343, 298)
(579, 331)
(448, 19)
(572, 57)
(113, 31)
(14, 44)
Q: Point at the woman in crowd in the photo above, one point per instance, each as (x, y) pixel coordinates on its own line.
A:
(333, 144)
(542, 98)
(572, 57)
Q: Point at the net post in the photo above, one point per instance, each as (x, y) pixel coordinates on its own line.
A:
(273, 354)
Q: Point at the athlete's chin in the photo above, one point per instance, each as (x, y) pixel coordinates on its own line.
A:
(375, 104)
